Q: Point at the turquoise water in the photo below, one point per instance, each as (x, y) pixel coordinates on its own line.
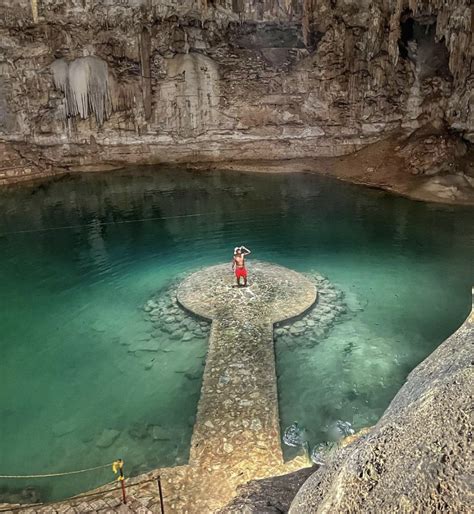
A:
(77, 268)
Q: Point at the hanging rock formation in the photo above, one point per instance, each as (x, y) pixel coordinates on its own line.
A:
(85, 82)
(85, 85)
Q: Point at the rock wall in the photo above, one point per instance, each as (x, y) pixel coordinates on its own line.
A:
(85, 82)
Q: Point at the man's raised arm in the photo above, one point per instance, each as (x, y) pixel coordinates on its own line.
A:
(246, 250)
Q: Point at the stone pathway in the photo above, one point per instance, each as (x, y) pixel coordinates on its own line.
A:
(236, 437)
(237, 430)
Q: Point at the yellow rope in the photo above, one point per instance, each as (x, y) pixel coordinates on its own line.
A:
(57, 474)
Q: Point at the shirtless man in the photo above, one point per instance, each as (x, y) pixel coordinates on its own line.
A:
(238, 263)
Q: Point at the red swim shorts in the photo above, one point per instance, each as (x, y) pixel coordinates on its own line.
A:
(240, 272)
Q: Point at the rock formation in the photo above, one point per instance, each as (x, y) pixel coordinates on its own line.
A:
(85, 82)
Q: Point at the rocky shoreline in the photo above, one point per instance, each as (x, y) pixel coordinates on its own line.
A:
(423, 167)
(431, 167)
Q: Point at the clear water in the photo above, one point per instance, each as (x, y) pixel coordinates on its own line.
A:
(71, 306)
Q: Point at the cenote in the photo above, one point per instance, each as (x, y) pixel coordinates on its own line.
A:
(85, 381)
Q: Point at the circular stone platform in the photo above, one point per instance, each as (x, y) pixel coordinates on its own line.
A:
(273, 293)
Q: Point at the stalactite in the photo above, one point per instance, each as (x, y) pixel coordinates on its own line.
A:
(34, 10)
(122, 95)
(145, 47)
(85, 84)
(306, 20)
(59, 69)
(394, 34)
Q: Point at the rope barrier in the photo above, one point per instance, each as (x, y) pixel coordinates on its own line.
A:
(67, 227)
(78, 497)
(119, 222)
(58, 474)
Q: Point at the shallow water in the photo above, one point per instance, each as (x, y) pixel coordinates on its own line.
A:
(77, 267)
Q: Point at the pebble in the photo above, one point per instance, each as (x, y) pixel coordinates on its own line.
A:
(256, 425)
(177, 335)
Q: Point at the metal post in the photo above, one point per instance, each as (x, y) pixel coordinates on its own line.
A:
(158, 479)
(117, 467)
(122, 481)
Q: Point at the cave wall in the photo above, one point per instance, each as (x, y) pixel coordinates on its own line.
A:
(194, 80)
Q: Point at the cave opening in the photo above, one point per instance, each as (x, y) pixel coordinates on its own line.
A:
(418, 44)
(406, 32)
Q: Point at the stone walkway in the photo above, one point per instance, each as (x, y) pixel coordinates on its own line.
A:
(237, 431)
(236, 436)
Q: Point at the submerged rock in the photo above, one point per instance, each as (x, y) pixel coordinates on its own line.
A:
(63, 427)
(339, 430)
(320, 452)
(169, 318)
(159, 433)
(294, 435)
(138, 431)
(107, 438)
(315, 324)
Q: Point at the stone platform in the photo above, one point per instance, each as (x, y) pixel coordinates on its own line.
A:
(237, 430)
(236, 436)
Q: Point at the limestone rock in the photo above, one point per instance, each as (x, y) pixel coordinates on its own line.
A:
(220, 79)
(433, 154)
(268, 496)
